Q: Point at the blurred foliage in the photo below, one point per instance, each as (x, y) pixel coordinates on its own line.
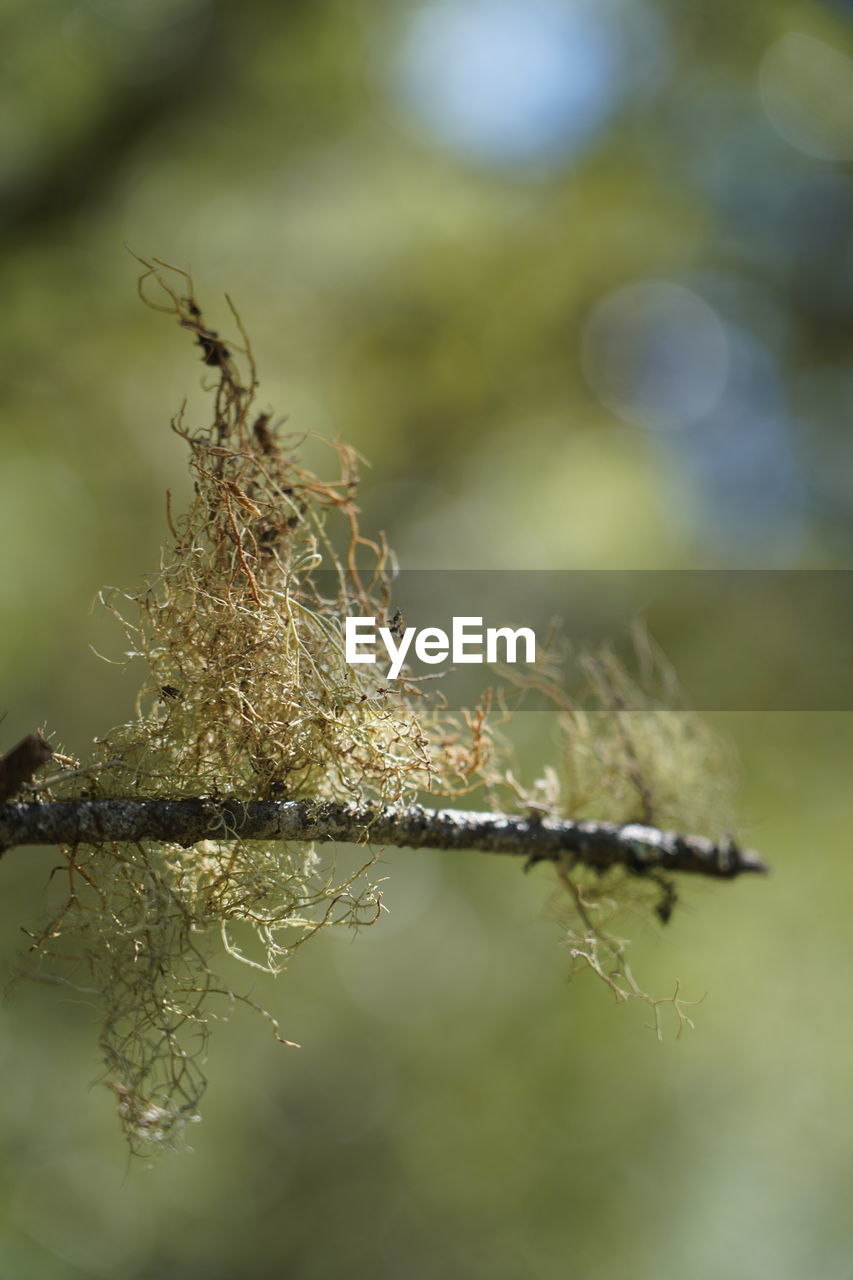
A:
(461, 318)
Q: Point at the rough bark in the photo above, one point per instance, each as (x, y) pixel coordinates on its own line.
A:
(186, 821)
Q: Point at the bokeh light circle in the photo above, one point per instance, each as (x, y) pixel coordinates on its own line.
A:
(656, 354)
(806, 89)
(518, 81)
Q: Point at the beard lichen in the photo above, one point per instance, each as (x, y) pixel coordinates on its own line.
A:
(247, 695)
(626, 753)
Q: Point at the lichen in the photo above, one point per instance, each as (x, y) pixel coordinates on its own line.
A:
(246, 694)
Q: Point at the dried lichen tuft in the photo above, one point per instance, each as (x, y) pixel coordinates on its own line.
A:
(625, 753)
(246, 694)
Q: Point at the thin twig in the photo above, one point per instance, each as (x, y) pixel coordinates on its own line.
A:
(186, 821)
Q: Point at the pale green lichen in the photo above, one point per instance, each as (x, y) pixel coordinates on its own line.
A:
(246, 693)
(625, 753)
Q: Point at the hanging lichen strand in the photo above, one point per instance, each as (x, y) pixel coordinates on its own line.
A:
(247, 696)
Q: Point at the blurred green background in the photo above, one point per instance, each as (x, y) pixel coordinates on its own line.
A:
(575, 276)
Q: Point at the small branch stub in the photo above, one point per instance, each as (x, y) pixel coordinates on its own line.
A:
(18, 765)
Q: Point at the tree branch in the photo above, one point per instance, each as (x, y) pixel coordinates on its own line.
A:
(184, 822)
